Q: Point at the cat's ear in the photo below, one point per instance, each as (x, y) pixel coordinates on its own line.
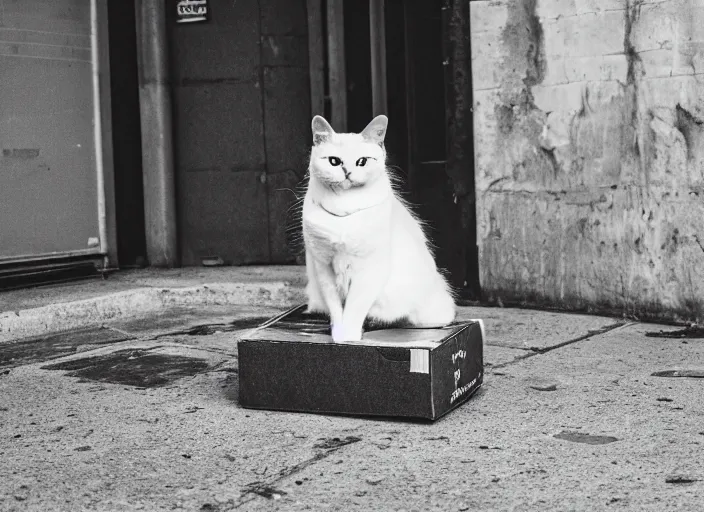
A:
(322, 131)
(376, 130)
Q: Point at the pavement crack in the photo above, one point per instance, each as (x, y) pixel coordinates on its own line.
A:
(590, 334)
(508, 345)
(538, 350)
(268, 488)
(208, 329)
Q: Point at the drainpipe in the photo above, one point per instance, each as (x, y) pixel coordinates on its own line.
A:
(377, 36)
(337, 74)
(157, 142)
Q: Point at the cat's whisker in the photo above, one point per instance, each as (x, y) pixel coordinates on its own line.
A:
(289, 190)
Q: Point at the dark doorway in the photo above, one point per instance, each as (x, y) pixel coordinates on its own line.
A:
(429, 106)
(430, 188)
(397, 144)
(126, 134)
(358, 67)
(359, 79)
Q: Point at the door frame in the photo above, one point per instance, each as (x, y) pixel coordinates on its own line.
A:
(102, 133)
(325, 42)
(102, 108)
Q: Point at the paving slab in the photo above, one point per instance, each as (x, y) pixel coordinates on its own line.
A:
(195, 320)
(535, 330)
(579, 426)
(497, 356)
(142, 294)
(125, 280)
(605, 435)
(128, 296)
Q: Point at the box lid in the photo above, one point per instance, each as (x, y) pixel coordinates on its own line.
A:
(295, 325)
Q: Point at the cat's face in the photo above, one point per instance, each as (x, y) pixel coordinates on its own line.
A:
(348, 160)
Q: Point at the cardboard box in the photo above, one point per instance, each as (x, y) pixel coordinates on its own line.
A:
(290, 363)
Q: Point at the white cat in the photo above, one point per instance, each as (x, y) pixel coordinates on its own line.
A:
(366, 254)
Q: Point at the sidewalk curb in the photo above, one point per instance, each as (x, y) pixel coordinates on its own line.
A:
(141, 302)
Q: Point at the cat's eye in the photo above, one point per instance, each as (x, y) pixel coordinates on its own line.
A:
(334, 161)
(362, 162)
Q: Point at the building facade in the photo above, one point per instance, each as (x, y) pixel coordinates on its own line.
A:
(177, 131)
(589, 136)
(556, 148)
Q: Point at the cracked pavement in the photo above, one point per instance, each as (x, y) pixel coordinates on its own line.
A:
(577, 413)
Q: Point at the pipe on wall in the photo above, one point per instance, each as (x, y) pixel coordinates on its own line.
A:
(157, 140)
(337, 73)
(377, 31)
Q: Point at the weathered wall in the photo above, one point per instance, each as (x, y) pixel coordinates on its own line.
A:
(589, 137)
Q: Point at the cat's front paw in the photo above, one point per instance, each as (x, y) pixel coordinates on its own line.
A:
(316, 307)
(340, 333)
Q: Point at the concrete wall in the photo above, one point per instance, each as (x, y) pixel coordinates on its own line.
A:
(589, 136)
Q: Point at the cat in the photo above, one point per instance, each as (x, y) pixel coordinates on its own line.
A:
(366, 254)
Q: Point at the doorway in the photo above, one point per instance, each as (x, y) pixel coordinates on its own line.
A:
(429, 143)
(126, 135)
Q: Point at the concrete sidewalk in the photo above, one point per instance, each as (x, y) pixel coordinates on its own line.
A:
(140, 293)
(140, 412)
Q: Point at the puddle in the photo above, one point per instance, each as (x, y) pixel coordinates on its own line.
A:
(236, 325)
(139, 368)
(265, 491)
(680, 479)
(692, 374)
(689, 332)
(578, 437)
(336, 442)
(542, 384)
(38, 350)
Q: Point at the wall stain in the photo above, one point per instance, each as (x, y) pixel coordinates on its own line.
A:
(691, 128)
(530, 49)
(550, 155)
(635, 64)
(519, 120)
(633, 74)
(535, 55)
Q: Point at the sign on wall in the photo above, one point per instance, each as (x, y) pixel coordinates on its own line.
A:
(191, 10)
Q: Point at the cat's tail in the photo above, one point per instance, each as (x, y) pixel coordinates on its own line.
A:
(437, 309)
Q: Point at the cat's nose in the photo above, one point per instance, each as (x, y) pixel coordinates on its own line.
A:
(347, 173)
